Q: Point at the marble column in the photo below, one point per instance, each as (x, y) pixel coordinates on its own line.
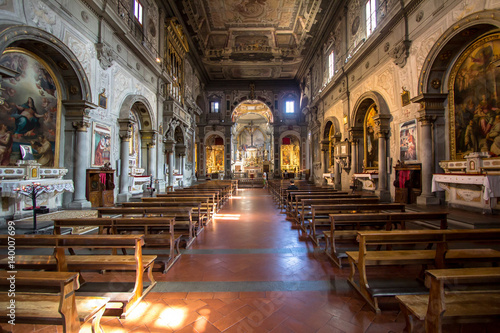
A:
(354, 155)
(382, 191)
(426, 156)
(81, 159)
(337, 172)
(125, 136)
(151, 159)
(169, 152)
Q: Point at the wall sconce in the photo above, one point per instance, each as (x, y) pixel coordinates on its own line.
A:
(345, 119)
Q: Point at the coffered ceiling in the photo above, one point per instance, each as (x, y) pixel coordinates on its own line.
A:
(251, 39)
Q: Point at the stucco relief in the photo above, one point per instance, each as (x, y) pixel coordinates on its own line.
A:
(121, 83)
(465, 8)
(43, 17)
(81, 51)
(152, 23)
(421, 48)
(386, 81)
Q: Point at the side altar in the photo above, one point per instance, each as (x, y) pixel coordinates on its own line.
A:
(27, 173)
(473, 182)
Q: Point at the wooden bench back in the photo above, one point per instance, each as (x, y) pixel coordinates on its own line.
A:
(76, 241)
(163, 211)
(321, 209)
(391, 217)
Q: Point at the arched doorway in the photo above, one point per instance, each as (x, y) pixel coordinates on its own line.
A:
(371, 129)
(290, 155)
(252, 138)
(214, 152)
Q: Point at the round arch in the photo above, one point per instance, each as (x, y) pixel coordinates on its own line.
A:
(266, 112)
(435, 70)
(143, 108)
(70, 73)
(363, 103)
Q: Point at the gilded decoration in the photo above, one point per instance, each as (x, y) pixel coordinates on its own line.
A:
(474, 90)
(30, 114)
(370, 139)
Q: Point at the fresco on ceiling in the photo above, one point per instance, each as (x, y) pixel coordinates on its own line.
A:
(474, 109)
(251, 42)
(243, 12)
(30, 110)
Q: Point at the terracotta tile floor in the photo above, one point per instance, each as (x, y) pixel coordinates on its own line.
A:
(249, 272)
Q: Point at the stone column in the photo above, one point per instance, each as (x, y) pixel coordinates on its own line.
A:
(148, 141)
(337, 173)
(431, 108)
(354, 155)
(325, 147)
(80, 158)
(382, 124)
(426, 156)
(169, 152)
(125, 136)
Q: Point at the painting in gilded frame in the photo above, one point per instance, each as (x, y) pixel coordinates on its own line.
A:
(101, 145)
(370, 140)
(473, 103)
(30, 114)
(408, 141)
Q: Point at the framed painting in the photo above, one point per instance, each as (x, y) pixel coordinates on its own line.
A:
(101, 145)
(103, 100)
(408, 141)
(30, 114)
(474, 87)
(405, 97)
(370, 140)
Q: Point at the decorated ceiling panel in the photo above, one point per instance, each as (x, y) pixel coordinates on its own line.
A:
(267, 37)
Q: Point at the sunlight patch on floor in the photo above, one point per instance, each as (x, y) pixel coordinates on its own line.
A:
(227, 216)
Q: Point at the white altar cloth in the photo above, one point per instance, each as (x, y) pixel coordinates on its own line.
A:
(491, 184)
(54, 186)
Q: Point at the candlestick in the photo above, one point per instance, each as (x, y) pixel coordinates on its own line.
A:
(32, 192)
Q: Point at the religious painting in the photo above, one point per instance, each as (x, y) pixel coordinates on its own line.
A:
(290, 154)
(30, 114)
(101, 144)
(405, 97)
(474, 107)
(134, 143)
(214, 151)
(408, 141)
(370, 140)
(103, 100)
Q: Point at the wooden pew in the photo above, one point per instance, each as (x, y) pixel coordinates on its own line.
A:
(389, 220)
(450, 247)
(159, 232)
(213, 198)
(183, 217)
(38, 306)
(121, 303)
(201, 210)
(200, 199)
(455, 294)
(305, 213)
(296, 198)
(321, 217)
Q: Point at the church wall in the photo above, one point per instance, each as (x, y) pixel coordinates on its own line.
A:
(123, 67)
(377, 66)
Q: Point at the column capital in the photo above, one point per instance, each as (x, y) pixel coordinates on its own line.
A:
(169, 146)
(426, 120)
(325, 145)
(382, 126)
(148, 137)
(81, 125)
(125, 129)
(430, 104)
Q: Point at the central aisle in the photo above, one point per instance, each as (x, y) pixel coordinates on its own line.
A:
(248, 271)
